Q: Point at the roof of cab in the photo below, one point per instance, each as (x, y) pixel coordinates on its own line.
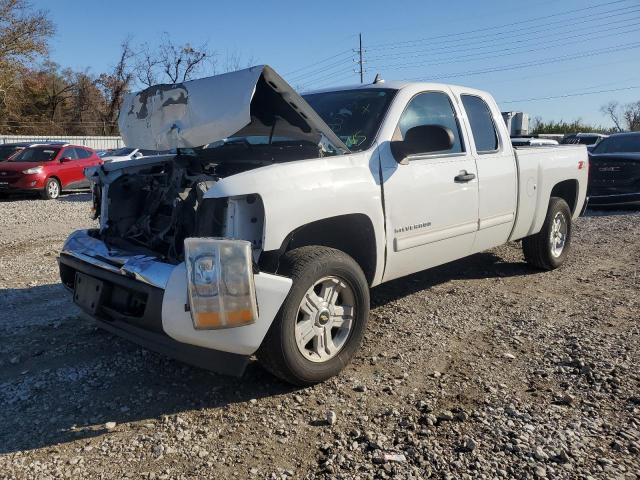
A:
(392, 84)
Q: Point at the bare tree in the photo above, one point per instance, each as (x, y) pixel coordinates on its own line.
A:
(146, 66)
(233, 61)
(180, 62)
(114, 85)
(23, 32)
(59, 87)
(23, 36)
(172, 63)
(625, 117)
(611, 110)
(631, 114)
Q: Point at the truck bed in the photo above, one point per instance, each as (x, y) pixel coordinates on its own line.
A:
(540, 168)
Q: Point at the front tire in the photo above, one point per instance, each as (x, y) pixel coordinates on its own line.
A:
(322, 321)
(548, 249)
(51, 189)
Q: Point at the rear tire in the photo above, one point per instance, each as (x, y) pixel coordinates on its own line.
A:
(51, 190)
(322, 321)
(548, 249)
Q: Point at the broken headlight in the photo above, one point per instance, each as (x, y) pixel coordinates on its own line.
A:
(220, 283)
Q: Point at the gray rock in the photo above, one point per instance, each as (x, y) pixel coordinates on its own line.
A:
(331, 417)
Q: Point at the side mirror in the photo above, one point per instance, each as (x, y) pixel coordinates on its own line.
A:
(65, 159)
(422, 139)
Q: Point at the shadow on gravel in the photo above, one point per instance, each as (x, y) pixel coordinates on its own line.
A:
(75, 197)
(62, 379)
(480, 265)
(71, 196)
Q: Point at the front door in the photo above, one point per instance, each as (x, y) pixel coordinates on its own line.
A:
(431, 201)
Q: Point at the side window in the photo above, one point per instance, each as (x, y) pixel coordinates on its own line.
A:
(82, 153)
(69, 153)
(481, 122)
(432, 108)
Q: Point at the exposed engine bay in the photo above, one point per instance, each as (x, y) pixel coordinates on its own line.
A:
(251, 118)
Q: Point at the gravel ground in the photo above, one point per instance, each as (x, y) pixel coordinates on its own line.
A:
(481, 368)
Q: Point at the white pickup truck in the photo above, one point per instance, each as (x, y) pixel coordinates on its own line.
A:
(264, 233)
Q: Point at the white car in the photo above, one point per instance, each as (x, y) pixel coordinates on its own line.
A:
(126, 153)
(268, 241)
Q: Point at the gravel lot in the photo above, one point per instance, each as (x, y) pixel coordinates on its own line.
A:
(481, 368)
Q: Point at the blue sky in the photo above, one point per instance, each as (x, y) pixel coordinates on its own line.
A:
(517, 51)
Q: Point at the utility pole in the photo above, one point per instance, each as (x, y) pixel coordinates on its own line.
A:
(360, 61)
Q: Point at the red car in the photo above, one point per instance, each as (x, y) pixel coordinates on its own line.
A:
(47, 169)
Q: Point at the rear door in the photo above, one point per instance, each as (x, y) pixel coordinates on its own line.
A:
(491, 148)
(431, 213)
(85, 159)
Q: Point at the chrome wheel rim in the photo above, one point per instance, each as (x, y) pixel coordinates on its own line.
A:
(53, 190)
(558, 235)
(325, 319)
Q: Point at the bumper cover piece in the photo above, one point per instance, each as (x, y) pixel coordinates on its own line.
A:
(132, 309)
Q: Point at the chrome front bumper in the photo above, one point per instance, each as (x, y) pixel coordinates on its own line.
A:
(85, 247)
(165, 287)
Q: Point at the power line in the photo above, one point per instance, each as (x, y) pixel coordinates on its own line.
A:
(528, 38)
(567, 95)
(512, 51)
(318, 80)
(574, 56)
(494, 27)
(320, 70)
(314, 64)
(591, 67)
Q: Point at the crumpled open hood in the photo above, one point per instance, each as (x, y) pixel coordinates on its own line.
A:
(203, 111)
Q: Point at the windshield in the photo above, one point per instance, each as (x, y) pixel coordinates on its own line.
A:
(36, 154)
(353, 115)
(7, 151)
(121, 152)
(619, 144)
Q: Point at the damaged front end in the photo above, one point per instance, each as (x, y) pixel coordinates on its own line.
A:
(173, 263)
(219, 126)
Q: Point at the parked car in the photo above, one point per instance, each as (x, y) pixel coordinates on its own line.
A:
(126, 153)
(532, 142)
(7, 150)
(104, 153)
(47, 169)
(589, 140)
(614, 170)
(268, 241)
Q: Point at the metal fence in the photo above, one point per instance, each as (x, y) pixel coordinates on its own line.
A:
(96, 142)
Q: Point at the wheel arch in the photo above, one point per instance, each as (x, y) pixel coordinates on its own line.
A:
(352, 234)
(568, 191)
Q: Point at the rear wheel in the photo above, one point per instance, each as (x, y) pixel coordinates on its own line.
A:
(51, 189)
(548, 249)
(322, 321)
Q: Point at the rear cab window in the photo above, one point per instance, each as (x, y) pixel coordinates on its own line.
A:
(481, 122)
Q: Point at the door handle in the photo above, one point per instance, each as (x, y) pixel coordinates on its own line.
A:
(464, 177)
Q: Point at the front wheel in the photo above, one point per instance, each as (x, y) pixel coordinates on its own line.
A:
(548, 249)
(51, 189)
(322, 321)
